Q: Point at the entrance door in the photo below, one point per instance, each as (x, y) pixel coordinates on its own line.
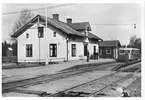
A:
(94, 49)
(94, 53)
(85, 50)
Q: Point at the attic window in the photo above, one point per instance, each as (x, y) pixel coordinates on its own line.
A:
(40, 32)
(54, 34)
(27, 35)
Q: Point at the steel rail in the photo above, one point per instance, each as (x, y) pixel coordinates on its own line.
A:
(55, 94)
(96, 92)
(52, 77)
(91, 94)
(6, 87)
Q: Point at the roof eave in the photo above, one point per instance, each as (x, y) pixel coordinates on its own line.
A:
(15, 35)
(107, 46)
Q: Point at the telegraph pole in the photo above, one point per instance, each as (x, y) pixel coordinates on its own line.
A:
(39, 38)
(46, 18)
(46, 28)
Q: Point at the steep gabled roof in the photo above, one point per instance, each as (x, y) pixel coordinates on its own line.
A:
(58, 24)
(25, 27)
(68, 29)
(92, 36)
(110, 43)
(62, 26)
(80, 26)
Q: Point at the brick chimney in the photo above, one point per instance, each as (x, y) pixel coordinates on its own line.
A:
(56, 17)
(69, 20)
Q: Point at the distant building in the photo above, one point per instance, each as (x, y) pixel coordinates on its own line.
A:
(109, 49)
(60, 41)
(9, 52)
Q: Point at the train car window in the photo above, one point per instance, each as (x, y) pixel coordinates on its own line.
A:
(135, 52)
(127, 51)
(121, 51)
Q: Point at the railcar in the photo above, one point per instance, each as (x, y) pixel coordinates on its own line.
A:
(128, 53)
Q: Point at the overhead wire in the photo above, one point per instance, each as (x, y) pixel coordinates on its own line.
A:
(43, 8)
(68, 4)
(114, 25)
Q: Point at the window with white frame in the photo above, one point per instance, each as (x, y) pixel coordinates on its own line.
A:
(73, 50)
(53, 50)
(108, 51)
(27, 35)
(28, 50)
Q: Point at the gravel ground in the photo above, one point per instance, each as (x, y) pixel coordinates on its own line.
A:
(99, 84)
(124, 84)
(58, 76)
(134, 88)
(109, 93)
(25, 73)
(58, 85)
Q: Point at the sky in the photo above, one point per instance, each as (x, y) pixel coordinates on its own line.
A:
(123, 16)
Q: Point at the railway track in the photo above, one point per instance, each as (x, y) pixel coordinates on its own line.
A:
(94, 87)
(110, 85)
(7, 87)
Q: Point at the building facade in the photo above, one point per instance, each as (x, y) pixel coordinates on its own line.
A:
(60, 41)
(109, 49)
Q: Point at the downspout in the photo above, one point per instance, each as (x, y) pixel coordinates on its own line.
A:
(67, 49)
(46, 27)
(17, 49)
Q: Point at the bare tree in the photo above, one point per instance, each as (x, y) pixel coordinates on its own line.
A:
(135, 42)
(25, 16)
(132, 40)
(138, 43)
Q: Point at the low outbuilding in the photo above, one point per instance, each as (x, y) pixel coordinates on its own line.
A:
(109, 49)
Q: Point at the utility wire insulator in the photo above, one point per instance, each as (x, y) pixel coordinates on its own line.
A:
(134, 26)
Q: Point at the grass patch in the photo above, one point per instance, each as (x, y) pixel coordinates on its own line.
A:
(125, 65)
(86, 66)
(21, 65)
